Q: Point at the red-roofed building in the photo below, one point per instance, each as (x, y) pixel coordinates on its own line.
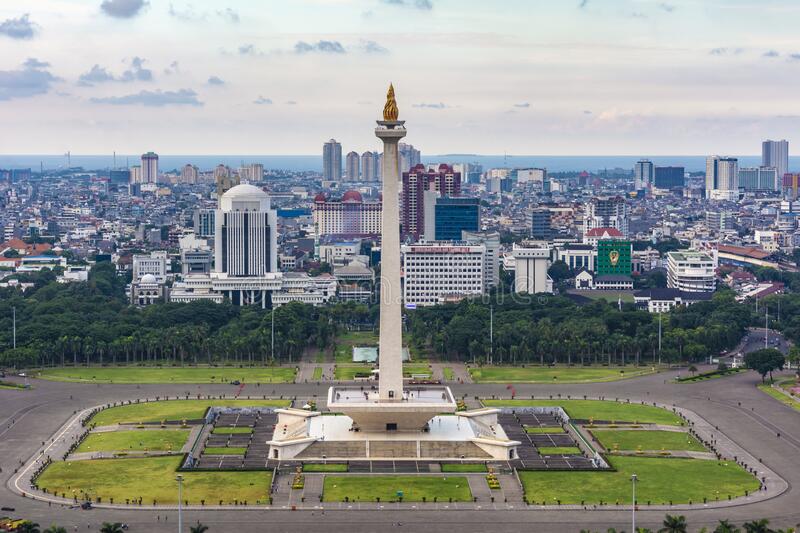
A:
(350, 215)
(597, 234)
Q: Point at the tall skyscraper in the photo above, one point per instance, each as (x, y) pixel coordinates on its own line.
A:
(775, 154)
(245, 240)
(643, 174)
(607, 212)
(352, 165)
(369, 166)
(759, 179)
(722, 178)
(447, 217)
(670, 177)
(149, 168)
(443, 181)
(224, 179)
(332, 161)
(409, 157)
(541, 224)
(189, 174)
(136, 174)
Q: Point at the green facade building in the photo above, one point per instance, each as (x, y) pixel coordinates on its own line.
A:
(614, 257)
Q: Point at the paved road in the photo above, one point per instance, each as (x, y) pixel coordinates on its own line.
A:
(747, 416)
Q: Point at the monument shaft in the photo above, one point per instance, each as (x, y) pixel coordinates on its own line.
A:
(391, 328)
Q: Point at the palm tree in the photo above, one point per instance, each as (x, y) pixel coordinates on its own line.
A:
(726, 527)
(757, 526)
(108, 527)
(55, 529)
(673, 524)
(199, 528)
(28, 527)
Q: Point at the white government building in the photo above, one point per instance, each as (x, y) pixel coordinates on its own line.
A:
(438, 272)
(246, 259)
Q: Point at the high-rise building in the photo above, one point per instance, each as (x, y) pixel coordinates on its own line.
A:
(410, 157)
(136, 174)
(332, 161)
(435, 273)
(531, 263)
(350, 215)
(606, 212)
(643, 174)
(758, 179)
(791, 186)
(670, 177)
(369, 166)
(352, 166)
(491, 241)
(154, 264)
(531, 175)
(189, 174)
(775, 154)
(149, 168)
(541, 224)
(224, 179)
(691, 271)
(119, 176)
(722, 178)
(204, 225)
(443, 181)
(252, 173)
(451, 216)
(245, 242)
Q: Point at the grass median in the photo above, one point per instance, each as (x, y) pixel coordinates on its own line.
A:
(138, 374)
(647, 440)
(172, 410)
(152, 479)
(413, 488)
(659, 481)
(555, 374)
(156, 440)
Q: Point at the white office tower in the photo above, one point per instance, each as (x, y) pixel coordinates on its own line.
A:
(352, 165)
(606, 212)
(691, 271)
(369, 166)
(759, 179)
(722, 178)
(189, 174)
(531, 262)
(644, 174)
(528, 175)
(136, 174)
(436, 273)
(245, 233)
(776, 154)
(149, 168)
(332, 161)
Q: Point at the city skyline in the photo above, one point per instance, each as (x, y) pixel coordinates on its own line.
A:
(622, 77)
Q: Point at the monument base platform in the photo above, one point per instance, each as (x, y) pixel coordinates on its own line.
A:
(470, 435)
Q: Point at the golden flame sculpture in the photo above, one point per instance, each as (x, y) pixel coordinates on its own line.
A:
(390, 111)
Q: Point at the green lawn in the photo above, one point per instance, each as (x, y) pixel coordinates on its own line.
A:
(367, 488)
(224, 451)
(560, 450)
(151, 440)
(409, 369)
(232, 431)
(449, 375)
(660, 480)
(599, 410)
(349, 372)
(466, 467)
(327, 467)
(137, 374)
(317, 373)
(345, 342)
(540, 430)
(610, 296)
(555, 374)
(152, 478)
(172, 410)
(778, 395)
(648, 440)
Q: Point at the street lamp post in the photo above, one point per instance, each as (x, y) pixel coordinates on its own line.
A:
(633, 504)
(179, 479)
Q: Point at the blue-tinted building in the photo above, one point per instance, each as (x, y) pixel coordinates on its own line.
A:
(454, 215)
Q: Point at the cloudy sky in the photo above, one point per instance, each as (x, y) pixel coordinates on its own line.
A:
(553, 77)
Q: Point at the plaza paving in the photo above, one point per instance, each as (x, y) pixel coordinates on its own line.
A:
(732, 407)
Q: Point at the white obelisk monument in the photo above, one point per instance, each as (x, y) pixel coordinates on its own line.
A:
(390, 131)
